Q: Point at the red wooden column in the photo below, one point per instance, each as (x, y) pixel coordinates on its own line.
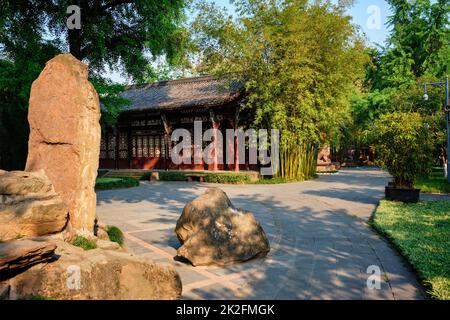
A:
(167, 132)
(236, 144)
(213, 154)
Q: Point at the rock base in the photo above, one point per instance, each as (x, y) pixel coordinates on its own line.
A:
(94, 274)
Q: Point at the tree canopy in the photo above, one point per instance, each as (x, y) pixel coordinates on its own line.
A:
(299, 62)
(119, 35)
(113, 33)
(417, 50)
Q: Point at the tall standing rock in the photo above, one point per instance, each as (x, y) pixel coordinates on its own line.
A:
(64, 141)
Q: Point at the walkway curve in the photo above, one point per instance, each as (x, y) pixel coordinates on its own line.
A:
(321, 245)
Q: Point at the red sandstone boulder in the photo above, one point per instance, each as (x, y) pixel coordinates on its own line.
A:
(20, 254)
(29, 206)
(64, 138)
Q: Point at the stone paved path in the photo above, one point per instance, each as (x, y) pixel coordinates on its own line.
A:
(321, 245)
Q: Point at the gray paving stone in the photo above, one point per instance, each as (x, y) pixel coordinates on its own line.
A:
(321, 244)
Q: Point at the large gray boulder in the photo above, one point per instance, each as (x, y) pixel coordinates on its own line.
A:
(29, 206)
(213, 232)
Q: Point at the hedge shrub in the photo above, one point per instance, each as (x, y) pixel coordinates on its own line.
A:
(115, 183)
(115, 234)
(232, 178)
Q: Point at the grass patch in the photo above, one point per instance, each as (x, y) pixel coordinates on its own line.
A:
(115, 183)
(115, 234)
(435, 183)
(84, 243)
(421, 233)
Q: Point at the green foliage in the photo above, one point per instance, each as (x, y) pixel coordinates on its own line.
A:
(404, 145)
(276, 180)
(16, 77)
(232, 178)
(434, 183)
(106, 183)
(84, 243)
(420, 231)
(219, 177)
(110, 99)
(123, 36)
(417, 51)
(113, 33)
(115, 234)
(298, 62)
(172, 176)
(298, 162)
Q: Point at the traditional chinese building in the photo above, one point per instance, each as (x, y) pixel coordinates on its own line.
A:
(141, 139)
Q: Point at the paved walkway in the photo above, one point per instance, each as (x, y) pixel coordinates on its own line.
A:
(321, 245)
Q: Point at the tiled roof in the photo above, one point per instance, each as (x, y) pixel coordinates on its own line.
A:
(182, 93)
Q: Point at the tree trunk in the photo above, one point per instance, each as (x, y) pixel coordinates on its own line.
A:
(75, 43)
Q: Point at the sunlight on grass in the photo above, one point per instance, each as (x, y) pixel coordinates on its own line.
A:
(435, 183)
(421, 232)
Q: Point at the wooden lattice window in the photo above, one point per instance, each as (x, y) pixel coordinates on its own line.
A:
(163, 146)
(103, 147)
(139, 147)
(123, 145)
(133, 147)
(147, 146)
(151, 144)
(111, 146)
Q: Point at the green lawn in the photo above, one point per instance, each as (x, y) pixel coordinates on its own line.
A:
(421, 232)
(106, 183)
(435, 183)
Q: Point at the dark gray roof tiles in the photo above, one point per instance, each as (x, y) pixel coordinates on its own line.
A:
(182, 93)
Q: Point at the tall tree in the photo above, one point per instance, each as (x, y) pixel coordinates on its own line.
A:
(115, 34)
(299, 62)
(417, 50)
(419, 43)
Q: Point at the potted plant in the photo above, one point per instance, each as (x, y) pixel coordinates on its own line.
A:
(404, 146)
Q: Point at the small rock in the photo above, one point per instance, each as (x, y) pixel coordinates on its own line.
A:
(108, 245)
(102, 234)
(29, 206)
